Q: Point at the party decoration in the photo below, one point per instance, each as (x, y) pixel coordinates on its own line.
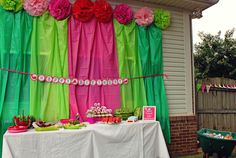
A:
(123, 14)
(198, 87)
(49, 79)
(144, 16)
(82, 10)
(125, 81)
(99, 82)
(98, 110)
(59, 9)
(61, 80)
(67, 81)
(36, 7)
(162, 18)
(74, 81)
(103, 11)
(93, 82)
(203, 88)
(120, 81)
(81, 82)
(86, 82)
(33, 77)
(208, 87)
(109, 82)
(41, 78)
(55, 79)
(115, 82)
(104, 82)
(151, 55)
(11, 5)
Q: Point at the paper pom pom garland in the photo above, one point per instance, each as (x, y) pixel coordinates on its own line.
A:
(123, 14)
(83, 10)
(162, 18)
(144, 16)
(59, 9)
(102, 11)
(11, 5)
(36, 7)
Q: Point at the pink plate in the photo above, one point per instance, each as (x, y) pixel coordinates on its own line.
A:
(65, 121)
(17, 129)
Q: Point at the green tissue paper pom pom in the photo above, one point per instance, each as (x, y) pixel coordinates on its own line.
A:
(162, 18)
(11, 5)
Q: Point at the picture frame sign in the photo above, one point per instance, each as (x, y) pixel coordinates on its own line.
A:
(149, 113)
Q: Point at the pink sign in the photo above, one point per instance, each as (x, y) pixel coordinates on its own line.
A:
(149, 113)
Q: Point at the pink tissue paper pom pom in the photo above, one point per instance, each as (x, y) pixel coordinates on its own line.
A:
(36, 7)
(123, 13)
(59, 9)
(144, 16)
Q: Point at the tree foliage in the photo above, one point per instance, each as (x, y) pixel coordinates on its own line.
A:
(215, 56)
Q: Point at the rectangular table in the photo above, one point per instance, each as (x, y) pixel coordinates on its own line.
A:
(143, 139)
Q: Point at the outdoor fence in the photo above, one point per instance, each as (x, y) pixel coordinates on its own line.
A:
(217, 109)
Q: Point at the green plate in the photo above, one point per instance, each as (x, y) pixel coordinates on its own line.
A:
(73, 126)
(50, 128)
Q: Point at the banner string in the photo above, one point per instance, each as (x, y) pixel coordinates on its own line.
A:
(131, 78)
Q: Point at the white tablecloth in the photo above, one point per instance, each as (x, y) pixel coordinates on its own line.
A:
(126, 140)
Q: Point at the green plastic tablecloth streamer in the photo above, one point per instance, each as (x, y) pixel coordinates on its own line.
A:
(150, 47)
(133, 94)
(49, 101)
(15, 34)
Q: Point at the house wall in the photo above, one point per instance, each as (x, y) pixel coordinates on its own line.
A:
(177, 60)
(183, 135)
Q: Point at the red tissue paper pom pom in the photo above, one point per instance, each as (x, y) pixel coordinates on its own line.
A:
(83, 10)
(59, 9)
(123, 14)
(103, 11)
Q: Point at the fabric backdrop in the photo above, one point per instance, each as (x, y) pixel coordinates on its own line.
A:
(49, 101)
(15, 34)
(133, 94)
(92, 55)
(150, 45)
